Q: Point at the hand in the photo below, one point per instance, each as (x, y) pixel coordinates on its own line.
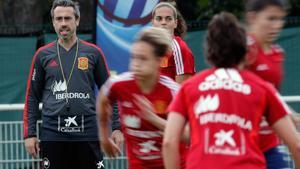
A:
(110, 148)
(118, 138)
(32, 146)
(146, 109)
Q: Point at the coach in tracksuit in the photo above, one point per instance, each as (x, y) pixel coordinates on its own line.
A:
(63, 76)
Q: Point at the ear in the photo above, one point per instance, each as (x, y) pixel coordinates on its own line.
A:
(176, 23)
(77, 21)
(53, 22)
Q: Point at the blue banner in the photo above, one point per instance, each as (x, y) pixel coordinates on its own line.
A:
(117, 23)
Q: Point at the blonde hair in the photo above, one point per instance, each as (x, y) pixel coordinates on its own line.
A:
(159, 38)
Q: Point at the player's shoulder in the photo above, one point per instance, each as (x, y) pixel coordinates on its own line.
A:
(180, 46)
(178, 40)
(46, 49)
(203, 74)
(117, 80)
(90, 47)
(255, 80)
(123, 77)
(88, 44)
(168, 82)
(277, 48)
(197, 78)
(249, 75)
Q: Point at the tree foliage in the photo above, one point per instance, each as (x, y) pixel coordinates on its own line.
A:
(205, 9)
(294, 8)
(209, 7)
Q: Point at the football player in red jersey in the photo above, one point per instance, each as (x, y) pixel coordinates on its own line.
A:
(265, 21)
(265, 58)
(141, 86)
(178, 65)
(224, 106)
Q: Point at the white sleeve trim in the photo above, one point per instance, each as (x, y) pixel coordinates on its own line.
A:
(177, 57)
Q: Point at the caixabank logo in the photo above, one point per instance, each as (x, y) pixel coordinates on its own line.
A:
(118, 21)
(71, 124)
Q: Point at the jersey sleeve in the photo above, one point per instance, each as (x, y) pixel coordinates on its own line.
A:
(179, 103)
(101, 76)
(109, 91)
(279, 55)
(276, 108)
(252, 51)
(183, 57)
(34, 92)
(101, 70)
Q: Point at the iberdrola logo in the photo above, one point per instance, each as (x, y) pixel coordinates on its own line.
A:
(59, 86)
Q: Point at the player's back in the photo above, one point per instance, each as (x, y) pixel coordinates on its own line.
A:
(227, 106)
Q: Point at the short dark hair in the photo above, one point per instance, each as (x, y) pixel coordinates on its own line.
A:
(226, 41)
(66, 3)
(159, 38)
(259, 5)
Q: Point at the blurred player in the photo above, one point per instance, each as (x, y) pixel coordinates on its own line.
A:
(180, 64)
(224, 106)
(265, 21)
(141, 89)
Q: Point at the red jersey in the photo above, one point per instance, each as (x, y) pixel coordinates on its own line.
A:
(180, 61)
(143, 140)
(269, 66)
(224, 108)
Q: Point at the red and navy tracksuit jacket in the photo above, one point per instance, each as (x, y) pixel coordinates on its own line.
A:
(75, 121)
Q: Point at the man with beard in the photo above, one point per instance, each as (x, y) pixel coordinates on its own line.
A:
(63, 76)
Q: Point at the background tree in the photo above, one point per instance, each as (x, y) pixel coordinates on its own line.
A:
(294, 8)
